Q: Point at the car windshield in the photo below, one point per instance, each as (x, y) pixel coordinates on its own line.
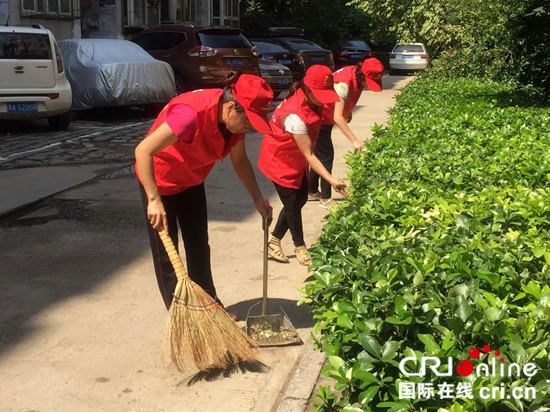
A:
(266, 47)
(354, 44)
(408, 48)
(302, 45)
(25, 46)
(223, 39)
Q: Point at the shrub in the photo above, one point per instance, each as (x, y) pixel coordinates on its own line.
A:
(443, 247)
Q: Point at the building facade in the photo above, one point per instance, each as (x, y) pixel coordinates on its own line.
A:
(115, 19)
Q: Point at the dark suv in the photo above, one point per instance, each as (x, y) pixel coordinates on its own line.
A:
(201, 57)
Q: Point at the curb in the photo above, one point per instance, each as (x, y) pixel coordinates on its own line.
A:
(298, 391)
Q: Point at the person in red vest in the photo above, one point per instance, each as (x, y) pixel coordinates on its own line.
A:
(349, 83)
(192, 132)
(287, 153)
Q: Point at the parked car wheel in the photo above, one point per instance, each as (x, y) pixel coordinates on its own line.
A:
(60, 122)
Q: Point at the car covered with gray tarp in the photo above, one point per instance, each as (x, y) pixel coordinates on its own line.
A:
(110, 72)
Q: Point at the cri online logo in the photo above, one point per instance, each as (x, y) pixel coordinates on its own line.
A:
(466, 368)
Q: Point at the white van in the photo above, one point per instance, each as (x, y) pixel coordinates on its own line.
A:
(33, 83)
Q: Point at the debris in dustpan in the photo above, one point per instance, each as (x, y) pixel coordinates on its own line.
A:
(265, 333)
(272, 330)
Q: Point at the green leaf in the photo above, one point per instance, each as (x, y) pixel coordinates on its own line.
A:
(493, 314)
(389, 350)
(463, 310)
(448, 341)
(538, 251)
(368, 395)
(344, 321)
(392, 405)
(370, 344)
(397, 321)
(336, 362)
(532, 288)
(418, 279)
(365, 376)
(429, 342)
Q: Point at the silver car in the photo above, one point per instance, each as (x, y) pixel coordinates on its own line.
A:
(409, 57)
(110, 72)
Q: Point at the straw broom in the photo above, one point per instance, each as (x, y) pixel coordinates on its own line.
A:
(199, 329)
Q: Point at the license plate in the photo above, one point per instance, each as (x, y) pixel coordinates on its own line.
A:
(406, 56)
(357, 56)
(234, 62)
(285, 62)
(283, 80)
(22, 107)
(318, 59)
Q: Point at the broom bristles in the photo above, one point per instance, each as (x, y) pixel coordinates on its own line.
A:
(199, 329)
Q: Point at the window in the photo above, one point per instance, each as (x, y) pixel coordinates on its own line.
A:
(266, 47)
(25, 46)
(225, 12)
(302, 44)
(141, 13)
(354, 44)
(160, 41)
(186, 10)
(47, 7)
(223, 39)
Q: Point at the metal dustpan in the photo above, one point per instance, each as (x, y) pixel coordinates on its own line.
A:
(274, 329)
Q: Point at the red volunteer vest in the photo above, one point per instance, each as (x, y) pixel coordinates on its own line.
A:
(345, 75)
(182, 165)
(280, 157)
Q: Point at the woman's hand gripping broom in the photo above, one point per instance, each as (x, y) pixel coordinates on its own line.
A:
(199, 329)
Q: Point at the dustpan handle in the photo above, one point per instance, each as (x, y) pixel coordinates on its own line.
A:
(173, 255)
(266, 241)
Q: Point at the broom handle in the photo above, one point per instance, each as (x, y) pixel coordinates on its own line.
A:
(266, 241)
(181, 272)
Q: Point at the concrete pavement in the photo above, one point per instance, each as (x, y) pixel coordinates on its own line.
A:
(82, 320)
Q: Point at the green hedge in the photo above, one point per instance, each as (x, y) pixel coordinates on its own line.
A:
(443, 247)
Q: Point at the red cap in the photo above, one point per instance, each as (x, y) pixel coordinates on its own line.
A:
(255, 96)
(373, 69)
(319, 79)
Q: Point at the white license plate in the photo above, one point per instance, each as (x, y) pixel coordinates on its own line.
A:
(22, 107)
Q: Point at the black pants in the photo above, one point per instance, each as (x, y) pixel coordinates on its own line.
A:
(290, 217)
(188, 209)
(324, 150)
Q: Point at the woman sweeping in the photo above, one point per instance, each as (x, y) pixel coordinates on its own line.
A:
(287, 154)
(349, 83)
(191, 133)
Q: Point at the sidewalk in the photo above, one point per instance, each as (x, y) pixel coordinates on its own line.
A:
(81, 317)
